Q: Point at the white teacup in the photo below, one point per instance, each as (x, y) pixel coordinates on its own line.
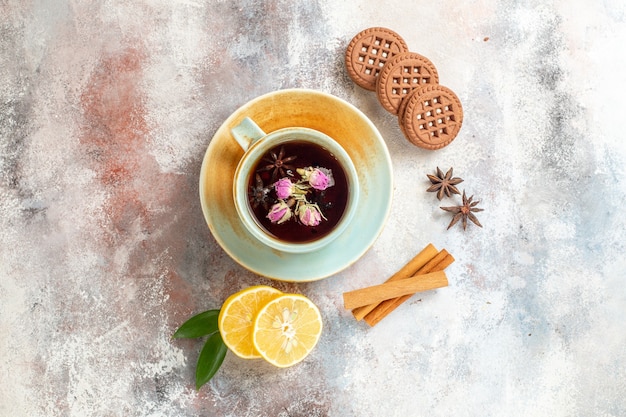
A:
(258, 145)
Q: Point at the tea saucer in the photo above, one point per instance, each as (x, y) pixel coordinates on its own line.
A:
(325, 113)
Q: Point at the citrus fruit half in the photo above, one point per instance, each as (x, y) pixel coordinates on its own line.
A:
(236, 318)
(286, 329)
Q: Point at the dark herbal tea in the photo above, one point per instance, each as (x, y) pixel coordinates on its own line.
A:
(285, 161)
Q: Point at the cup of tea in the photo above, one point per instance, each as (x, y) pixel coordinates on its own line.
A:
(295, 189)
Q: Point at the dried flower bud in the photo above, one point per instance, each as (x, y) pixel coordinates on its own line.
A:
(283, 188)
(309, 214)
(319, 178)
(279, 212)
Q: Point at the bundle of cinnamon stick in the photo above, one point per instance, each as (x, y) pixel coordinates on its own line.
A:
(422, 273)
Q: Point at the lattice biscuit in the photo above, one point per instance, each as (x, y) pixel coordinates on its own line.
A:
(431, 117)
(368, 52)
(402, 74)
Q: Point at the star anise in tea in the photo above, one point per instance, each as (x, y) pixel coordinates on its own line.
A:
(464, 212)
(444, 184)
(279, 164)
(259, 194)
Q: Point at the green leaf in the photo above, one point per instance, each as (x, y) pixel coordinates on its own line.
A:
(199, 325)
(210, 359)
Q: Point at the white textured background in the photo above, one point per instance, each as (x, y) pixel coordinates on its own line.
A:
(106, 110)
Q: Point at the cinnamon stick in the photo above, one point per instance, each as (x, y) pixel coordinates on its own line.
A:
(410, 269)
(439, 263)
(391, 290)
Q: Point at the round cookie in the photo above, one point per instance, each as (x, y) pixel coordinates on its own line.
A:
(432, 117)
(402, 74)
(368, 52)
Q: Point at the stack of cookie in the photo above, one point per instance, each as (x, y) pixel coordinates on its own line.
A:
(407, 85)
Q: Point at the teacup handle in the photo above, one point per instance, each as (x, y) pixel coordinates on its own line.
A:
(246, 133)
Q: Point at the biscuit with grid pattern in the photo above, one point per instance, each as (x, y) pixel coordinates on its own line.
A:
(402, 74)
(433, 117)
(368, 52)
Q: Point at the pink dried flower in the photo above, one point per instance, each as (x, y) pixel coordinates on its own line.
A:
(283, 188)
(309, 214)
(279, 212)
(319, 179)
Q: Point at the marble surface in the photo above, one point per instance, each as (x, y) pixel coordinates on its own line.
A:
(107, 108)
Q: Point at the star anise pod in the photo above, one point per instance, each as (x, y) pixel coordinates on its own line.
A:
(278, 164)
(259, 194)
(444, 184)
(464, 212)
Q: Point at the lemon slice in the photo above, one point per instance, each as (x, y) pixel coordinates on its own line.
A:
(286, 329)
(236, 318)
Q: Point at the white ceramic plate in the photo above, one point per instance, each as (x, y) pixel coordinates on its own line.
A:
(328, 114)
